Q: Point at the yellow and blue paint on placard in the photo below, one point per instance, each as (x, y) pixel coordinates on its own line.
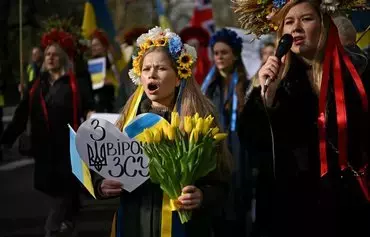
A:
(79, 168)
(147, 120)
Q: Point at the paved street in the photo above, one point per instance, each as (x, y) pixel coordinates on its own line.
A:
(23, 210)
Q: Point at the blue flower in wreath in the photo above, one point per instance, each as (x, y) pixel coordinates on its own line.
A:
(279, 3)
(228, 37)
(175, 46)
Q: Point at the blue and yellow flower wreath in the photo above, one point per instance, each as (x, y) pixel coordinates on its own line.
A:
(184, 55)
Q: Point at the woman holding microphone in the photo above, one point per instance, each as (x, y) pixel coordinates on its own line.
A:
(308, 130)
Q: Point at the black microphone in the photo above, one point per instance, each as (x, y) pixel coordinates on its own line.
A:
(283, 48)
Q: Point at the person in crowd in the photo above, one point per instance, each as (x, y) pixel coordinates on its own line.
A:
(55, 100)
(347, 35)
(126, 88)
(198, 37)
(105, 97)
(267, 50)
(225, 85)
(309, 144)
(165, 84)
(34, 67)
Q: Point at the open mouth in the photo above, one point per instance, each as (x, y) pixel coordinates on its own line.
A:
(298, 40)
(152, 87)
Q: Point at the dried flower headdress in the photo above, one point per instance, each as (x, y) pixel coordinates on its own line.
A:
(184, 54)
(64, 33)
(255, 15)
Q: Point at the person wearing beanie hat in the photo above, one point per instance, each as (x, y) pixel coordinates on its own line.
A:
(225, 85)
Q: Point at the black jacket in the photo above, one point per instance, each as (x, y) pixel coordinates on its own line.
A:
(50, 134)
(141, 209)
(297, 195)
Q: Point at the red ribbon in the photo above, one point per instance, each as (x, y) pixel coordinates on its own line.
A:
(322, 104)
(340, 105)
(334, 50)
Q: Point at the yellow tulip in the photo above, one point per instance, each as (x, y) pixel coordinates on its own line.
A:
(220, 136)
(207, 124)
(195, 118)
(171, 133)
(188, 126)
(156, 135)
(199, 125)
(194, 136)
(210, 118)
(175, 119)
(215, 130)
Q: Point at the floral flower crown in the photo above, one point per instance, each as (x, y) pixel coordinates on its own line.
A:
(255, 15)
(229, 37)
(65, 34)
(184, 55)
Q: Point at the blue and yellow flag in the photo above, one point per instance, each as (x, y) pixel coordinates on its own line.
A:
(363, 39)
(79, 168)
(361, 22)
(97, 15)
(164, 22)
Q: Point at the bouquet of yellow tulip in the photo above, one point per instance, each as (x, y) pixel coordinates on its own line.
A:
(180, 156)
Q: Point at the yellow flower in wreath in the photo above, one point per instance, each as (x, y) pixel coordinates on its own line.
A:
(136, 61)
(184, 72)
(147, 44)
(161, 41)
(141, 53)
(136, 65)
(185, 60)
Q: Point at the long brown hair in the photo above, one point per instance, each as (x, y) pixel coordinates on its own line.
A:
(319, 56)
(63, 59)
(242, 78)
(192, 102)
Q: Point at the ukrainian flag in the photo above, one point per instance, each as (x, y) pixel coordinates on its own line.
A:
(361, 21)
(164, 22)
(363, 39)
(97, 15)
(79, 168)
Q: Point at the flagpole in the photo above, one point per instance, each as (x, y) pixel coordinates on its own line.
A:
(21, 46)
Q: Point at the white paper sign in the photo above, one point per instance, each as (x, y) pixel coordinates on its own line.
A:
(110, 117)
(112, 154)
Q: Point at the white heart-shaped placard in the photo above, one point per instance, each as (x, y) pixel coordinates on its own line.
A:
(111, 153)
